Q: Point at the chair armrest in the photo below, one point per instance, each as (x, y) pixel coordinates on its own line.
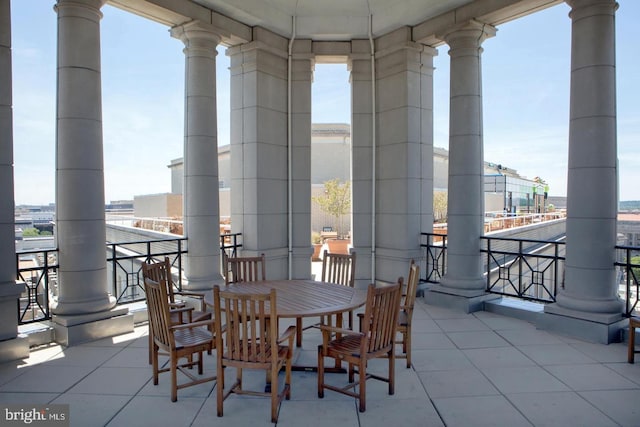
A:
(173, 305)
(289, 334)
(332, 329)
(195, 295)
(180, 311)
(191, 325)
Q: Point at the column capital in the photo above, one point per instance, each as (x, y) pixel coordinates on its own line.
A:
(468, 35)
(198, 35)
(583, 8)
(79, 7)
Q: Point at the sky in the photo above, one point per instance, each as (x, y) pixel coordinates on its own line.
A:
(525, 71)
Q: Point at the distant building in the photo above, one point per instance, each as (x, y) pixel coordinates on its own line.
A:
(505, 189)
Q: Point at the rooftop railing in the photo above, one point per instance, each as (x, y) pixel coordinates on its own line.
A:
(528, 269)
(38, 269)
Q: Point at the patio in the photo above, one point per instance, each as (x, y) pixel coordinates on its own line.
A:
(476, 369)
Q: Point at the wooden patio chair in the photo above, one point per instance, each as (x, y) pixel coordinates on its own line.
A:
(161, 272)
(245, 269)
(341, 270)
(178, 340)
(406, 312)
(405, 316)
(634, 323)
(377, 339)
(252, 341)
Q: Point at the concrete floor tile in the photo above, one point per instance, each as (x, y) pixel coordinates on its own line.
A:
(523, 379)
(105, 380)
(550, 409)
(47, 378)
(497, 357)
(477, 339)
(590, 377)
(458, 383)
(620, 405)
(555, 354)
(147, 411)
(87, 410)
(439, 360)
(479, 411)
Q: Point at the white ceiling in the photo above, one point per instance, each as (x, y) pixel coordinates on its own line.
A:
(332, 19)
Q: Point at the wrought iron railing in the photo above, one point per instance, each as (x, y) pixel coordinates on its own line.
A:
(38, 270)
(530, 269)
(524, 268)
(125, 263)
(628, 262)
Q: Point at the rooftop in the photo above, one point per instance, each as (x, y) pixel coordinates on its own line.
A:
(476, 369)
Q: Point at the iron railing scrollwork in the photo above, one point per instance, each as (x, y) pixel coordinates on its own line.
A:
(528, 269)
(38, 270)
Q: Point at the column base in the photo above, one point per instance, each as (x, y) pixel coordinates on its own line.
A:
(460, 299)
(14, 349)
(77, 329)
(603, 328)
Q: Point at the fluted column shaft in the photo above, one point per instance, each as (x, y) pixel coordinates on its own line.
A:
(592, 189)
(201, 199)
(80, 200)
(466, 172)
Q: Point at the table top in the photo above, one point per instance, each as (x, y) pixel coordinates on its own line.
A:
(302, 298)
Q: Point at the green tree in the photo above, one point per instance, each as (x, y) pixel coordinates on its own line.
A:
(440, 206)
(336, 201)
(30, 232)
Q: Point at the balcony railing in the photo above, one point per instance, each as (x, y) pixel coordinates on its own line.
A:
(529, 269)
(38, 270)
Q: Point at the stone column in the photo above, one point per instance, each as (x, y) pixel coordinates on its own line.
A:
(11, 347)
(589, 296)
(302, 65)
(404, 150)
(201, 215)
(83, 294)
(259, 208)
(464, 276)
(361, 149)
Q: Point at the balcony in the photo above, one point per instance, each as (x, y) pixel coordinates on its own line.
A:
(468, 370)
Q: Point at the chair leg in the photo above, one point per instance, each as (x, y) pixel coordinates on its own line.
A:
(320, 372)
(174, 378)
(363, 385)
(287, 378)
(154, 361)
(274, 393)
(392, 371)
(407, 349)
(220, 387)
(632, 343)
(150, 345)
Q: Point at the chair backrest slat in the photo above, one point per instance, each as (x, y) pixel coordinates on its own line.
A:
(160, 271)
(339, 268)
(409, 299)
(245, 269)
(158, 312)
(249, 333)
(380, 317)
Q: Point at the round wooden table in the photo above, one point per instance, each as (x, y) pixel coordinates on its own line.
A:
(302, 298)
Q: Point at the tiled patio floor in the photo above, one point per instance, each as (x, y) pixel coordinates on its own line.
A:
(478, 369)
